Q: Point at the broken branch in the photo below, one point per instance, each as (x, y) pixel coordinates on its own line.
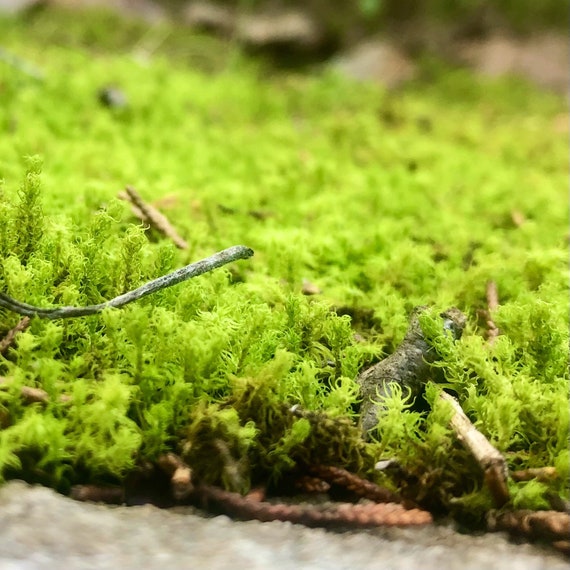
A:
(150, 215)
(369, 515)
(8, 340)
(490, 459)
(180, 475)
(549, 525)
(193, 270)
(492, 305)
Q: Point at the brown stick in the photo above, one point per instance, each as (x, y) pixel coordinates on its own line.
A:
(358, 485)
(98, 494)
(150, 215)
(369, 515)
(180, 475)
(490, 459)
(538, 473)
(11, 335)
(492, 305)
(550, 525)
(308, 484)
(33, 395)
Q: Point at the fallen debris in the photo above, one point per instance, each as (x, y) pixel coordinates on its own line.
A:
(492, 305)
(538, 473)
(180, 475)
(490, 459)
(386, 508)
(358, 485)
(343, 514)
(110, 495)
(150, 215)
(552, 526)
(11, 335)
(33, 395)
(409, 367)
(188, 272)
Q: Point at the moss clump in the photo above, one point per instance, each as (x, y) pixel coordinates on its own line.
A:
(383, 201)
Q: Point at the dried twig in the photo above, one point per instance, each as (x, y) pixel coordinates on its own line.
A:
(490, 459)
(180, 475)
(254, 505)
(193, 270)
(308, 484)
(538, 473)
(33, 395)
(150, 215)
(553, 526)
(369, 515)
(8, 340)
(358, 485)
(492, 305)
(98, 494)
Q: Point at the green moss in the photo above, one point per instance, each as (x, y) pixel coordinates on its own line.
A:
(384, 201)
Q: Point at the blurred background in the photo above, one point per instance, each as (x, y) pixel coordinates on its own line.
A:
(376, 40)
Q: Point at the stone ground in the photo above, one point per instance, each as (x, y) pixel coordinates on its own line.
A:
(43, 530)
(542, 57)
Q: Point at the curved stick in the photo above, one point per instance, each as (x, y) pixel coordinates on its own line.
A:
(188, 272)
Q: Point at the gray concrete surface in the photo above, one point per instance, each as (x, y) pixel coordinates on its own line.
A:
(43, 530)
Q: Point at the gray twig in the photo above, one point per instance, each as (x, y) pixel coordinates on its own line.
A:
(193, 270)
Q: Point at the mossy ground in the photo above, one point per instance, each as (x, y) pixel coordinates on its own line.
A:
(383, 200)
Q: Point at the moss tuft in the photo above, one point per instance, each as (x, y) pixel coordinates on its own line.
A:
(382, 201)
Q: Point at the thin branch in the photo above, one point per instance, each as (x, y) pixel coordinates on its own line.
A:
(492, 305)
(358, 485)
(309, 484)
(11, 335)
(33, 395)
(490, 459)
(547, 525)
(538, 473)
(180, 475)
(110, 495)
(193, 270)
(150, 215)
(366, 515)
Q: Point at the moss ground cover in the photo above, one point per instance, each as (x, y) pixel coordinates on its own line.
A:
(385, 201)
